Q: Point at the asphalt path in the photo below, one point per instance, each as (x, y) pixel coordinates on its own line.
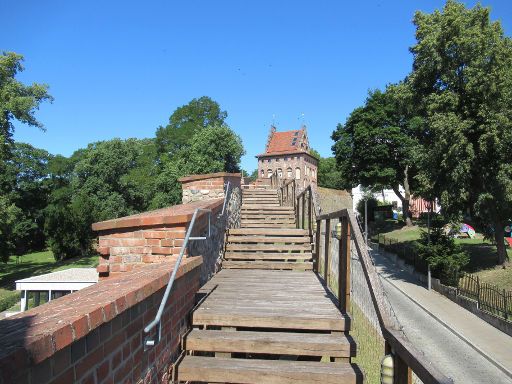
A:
(448, 352)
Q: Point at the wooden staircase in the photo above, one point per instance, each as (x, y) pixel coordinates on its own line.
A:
(265, 317)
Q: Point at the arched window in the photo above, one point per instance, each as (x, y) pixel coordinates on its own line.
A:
(269, 173)
(297, 173)
(313, 173)
(262, 173)
(289, 173)
(279, 173)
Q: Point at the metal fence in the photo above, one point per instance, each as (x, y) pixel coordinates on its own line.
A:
(489, 297)
(405, 251)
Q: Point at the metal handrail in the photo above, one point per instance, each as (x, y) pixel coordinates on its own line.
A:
(225, 199)
(150, 342)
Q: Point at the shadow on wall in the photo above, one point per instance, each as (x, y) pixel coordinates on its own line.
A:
(332, 200)
(13, 333)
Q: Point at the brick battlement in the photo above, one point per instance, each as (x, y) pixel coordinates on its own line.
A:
(127, 243)
(96, 335)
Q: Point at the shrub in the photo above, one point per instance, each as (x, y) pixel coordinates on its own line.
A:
(8, 299)
(446, 259)
(372, 203)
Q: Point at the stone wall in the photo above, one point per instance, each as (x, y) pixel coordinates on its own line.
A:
(95, 335)
(209, 186)
(212, 249)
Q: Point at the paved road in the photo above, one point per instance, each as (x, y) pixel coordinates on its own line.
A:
(452, 356)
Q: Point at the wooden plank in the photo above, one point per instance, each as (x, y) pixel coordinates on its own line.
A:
(267, 265)
(268, 247)
(255, 371)
(267, 256)
(279, 343)
(268, 225)
(273, 232)
(269, 239)
(327, 250)
(270, 320)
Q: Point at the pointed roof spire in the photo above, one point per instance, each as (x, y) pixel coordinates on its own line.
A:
(273, 130)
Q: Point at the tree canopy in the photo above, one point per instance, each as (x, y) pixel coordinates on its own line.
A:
(462, 75)
(22, 167)
(377, 146)
(445, 131)
(186, 121)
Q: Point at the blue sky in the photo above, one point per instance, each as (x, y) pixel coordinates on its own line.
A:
(119, 69)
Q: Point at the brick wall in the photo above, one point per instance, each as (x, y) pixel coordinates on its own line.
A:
(306, 163)
(151, 237)
(96, 336)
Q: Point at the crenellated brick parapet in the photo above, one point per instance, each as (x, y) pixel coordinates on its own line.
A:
(151, 237)
(128, 242)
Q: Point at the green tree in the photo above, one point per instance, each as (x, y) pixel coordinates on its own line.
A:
(30, 194)
(213, 149)
(377, 146)
(463, 85)
(186, 121)
(18, 212)
(17, 102)
(106, 180)
(328, 174)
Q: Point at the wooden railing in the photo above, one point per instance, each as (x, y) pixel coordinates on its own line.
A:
(343, 262)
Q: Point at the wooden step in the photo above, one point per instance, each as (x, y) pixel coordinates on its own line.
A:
(255, 371)
(277, 211)
(267, 256)
(273, 232)
(281, 265)
(268, 247)
(268, 225)
(276, 343)
(268, 239)
(270, 219)
(270, 216)
(257, 318)
(266, 207)
(265, 191)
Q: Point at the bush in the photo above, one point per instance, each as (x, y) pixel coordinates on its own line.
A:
(8, 299)
(372, 203)
(446, 259)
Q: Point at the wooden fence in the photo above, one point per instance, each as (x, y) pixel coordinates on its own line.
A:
(357, 287)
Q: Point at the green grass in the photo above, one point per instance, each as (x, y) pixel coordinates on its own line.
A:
(38, 263)
(482, 253)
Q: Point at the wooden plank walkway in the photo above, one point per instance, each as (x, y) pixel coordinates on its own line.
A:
(266, 318)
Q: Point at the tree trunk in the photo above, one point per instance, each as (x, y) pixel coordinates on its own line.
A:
(405, 198)
(499, 234)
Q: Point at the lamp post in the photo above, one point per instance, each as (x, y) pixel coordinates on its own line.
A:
(429, 275)
(366, 221)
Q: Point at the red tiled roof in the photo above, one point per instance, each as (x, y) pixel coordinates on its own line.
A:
(283, 142)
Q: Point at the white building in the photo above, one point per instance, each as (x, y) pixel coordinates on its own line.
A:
(43, 288)
(386, 195)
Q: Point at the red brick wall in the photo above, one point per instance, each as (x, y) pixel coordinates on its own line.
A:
(127, 243)
(96, 335)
